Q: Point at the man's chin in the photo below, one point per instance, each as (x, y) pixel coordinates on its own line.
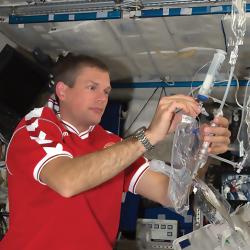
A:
(95, 122)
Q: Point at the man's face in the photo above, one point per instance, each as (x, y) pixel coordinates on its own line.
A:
(84, 104)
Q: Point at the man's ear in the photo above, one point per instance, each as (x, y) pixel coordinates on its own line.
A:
(60, 90)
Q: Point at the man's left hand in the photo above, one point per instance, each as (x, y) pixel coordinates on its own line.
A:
(218, 136)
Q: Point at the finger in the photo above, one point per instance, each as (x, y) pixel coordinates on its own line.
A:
(202, 129)
(217, 139)
(217, 131)
(194, 110)
(182, 97)
(174, 105)
(221, 121)
(179, 98)
(187, 107)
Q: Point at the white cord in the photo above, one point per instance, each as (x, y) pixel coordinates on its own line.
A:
(243, 112)
(224, 160)
(220, 110)
(236, 92)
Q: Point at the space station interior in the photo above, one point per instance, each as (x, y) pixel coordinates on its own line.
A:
(152, 49)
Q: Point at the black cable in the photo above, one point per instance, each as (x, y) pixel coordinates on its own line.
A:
(164, 90)
(161, 92)
(224, 35)
(140, 111)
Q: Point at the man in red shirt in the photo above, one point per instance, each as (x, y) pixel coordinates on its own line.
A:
(67, 174)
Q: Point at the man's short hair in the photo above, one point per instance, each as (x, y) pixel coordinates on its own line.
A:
(67, 68)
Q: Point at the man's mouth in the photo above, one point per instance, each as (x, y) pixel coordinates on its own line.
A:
(97, 110)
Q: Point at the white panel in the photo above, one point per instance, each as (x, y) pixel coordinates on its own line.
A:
(201, 31)
(142, 49)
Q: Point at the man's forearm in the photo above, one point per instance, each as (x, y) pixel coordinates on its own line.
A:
(71, 176)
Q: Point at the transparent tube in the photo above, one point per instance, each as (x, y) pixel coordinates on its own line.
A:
(227, 90)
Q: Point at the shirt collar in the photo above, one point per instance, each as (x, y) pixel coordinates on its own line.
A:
(54, 105)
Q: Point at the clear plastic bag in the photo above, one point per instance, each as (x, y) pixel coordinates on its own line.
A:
(184, 155)
(160, 166)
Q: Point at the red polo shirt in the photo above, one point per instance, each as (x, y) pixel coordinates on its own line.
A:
(42, 219)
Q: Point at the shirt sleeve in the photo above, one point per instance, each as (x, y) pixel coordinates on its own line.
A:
(35, 142)
(134, 173)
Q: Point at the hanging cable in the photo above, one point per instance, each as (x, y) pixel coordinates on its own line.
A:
(125, 133)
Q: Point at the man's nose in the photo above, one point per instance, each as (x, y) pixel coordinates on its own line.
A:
(102, 96)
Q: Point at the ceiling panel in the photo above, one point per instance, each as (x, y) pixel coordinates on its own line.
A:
(138, 49)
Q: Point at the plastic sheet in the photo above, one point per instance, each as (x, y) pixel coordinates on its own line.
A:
(160, 166)
(184, 155)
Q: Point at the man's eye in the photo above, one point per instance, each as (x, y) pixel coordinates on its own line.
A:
(92, 87)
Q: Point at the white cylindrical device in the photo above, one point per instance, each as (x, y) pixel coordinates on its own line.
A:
(208, 83)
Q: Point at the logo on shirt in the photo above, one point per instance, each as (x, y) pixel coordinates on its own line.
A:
(65, 134)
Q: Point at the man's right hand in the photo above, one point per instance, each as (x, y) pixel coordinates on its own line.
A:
(166, 119)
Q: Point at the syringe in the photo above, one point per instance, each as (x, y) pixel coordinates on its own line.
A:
(208, 83)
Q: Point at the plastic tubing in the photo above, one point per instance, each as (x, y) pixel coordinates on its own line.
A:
(227, 90)
(243, 111)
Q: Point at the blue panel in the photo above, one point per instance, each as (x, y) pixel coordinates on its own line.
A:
(117, 14)
(228, 8)
(152, 13)
(153, 85)
(13, 19)
(208, 10)
(201, 10)
(175, 12)
(60, 18)
(171, 85)
(28, 19)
